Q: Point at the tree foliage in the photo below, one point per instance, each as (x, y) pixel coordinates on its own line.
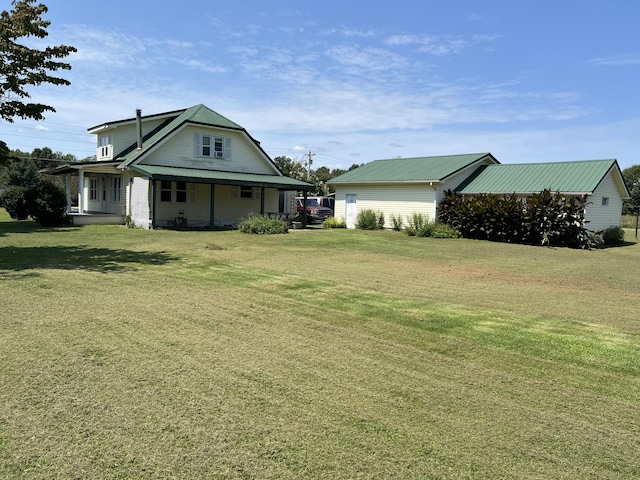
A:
(26, 193)
(23, 66)
(21, 173)
(631, 177)
(5, 154)
(318, 177)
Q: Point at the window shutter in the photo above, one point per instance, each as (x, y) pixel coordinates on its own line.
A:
(197, 145)
(227, 148)
(235, 192)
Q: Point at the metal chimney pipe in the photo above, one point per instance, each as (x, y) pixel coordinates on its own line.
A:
(139, 127)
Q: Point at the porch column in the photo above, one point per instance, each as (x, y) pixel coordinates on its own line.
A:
(261, 200)
(153, 203)
(81, 192)
(67, 188)
(211, 206)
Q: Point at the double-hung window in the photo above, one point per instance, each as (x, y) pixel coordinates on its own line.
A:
(93, 189)
(246, 192)
(165, 191)
(116, 189)
(181, 192)
(211, 146)
(173, 192)
(104, 143)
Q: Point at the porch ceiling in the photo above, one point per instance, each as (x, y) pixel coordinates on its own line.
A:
(217, 177)
(90, 167)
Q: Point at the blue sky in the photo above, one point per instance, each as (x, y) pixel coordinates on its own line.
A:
(355, 81)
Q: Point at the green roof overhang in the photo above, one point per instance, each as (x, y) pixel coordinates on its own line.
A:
(218, 177)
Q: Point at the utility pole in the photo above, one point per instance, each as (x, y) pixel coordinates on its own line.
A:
(310, 155)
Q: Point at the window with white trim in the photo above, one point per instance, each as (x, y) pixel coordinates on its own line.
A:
(116, 189)
(605, 201)
(103, 144)
(212, 146)
(93, 189)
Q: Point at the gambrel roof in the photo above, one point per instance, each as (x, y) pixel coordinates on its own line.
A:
(577, 178)
(412, 170)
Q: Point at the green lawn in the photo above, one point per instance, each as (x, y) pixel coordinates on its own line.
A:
(132, 354)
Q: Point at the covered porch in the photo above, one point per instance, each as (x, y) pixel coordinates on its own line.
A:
(197, 198)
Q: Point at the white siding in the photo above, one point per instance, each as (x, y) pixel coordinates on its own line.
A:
(178, 151)
(399, 200)
(126, 135)
(140, 212)
(601, 217)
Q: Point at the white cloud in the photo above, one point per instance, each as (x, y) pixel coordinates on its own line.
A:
(621, 60)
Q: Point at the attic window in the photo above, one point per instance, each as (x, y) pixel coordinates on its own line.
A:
(605, 201)
(211, 146)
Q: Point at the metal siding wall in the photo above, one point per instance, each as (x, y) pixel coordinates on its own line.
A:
(602, 217)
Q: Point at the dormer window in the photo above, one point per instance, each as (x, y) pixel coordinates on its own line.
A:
(211, 146)
(103, 146)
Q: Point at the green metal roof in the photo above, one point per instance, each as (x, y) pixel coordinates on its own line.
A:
(218, 177)
(198, 114)
(577, 177)
(420, 169)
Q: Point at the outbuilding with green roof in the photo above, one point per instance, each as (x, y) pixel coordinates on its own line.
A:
(400, 187)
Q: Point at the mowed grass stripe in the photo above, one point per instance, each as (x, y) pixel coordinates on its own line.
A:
(225, 363)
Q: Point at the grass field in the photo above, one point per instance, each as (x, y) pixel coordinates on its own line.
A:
(131, 354)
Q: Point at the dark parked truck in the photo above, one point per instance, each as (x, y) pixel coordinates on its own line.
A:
(315, 211)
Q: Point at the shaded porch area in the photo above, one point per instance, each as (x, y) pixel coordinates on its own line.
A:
(197, 198)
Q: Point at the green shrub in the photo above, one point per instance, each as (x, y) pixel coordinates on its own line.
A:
(613, 236)
(415, 223)
(425, 230)
(543, 218)
(442, 230)
(333, 222)
(44, 201)
(370, 220)
(263, 226)
(396, 221)
(431, 229)
(13, 199)
(47, 203)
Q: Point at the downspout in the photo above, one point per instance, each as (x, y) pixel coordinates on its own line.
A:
(435, 202)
